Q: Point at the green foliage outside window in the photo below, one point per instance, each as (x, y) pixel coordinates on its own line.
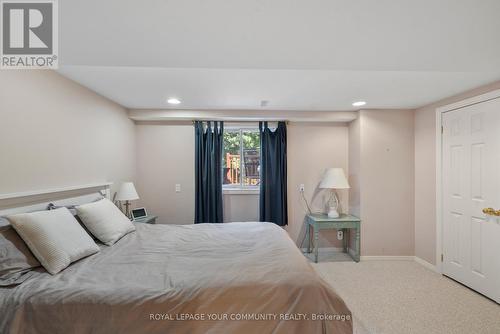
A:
(251, 141)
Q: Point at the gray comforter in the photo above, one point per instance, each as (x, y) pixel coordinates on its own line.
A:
(207, 278)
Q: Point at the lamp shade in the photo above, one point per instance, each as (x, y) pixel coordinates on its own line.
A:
(334, 178)
(127, 192)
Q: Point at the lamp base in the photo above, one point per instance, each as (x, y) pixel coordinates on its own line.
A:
(127, 210)
(333, 213)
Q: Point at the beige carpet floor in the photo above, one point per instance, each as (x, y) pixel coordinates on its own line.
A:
(404, 297)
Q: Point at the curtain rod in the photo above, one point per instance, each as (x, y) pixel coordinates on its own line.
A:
(238, 121)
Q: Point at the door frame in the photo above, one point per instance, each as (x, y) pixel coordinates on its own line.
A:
(439, 165)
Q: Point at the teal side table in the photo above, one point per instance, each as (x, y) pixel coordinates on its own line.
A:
(344, 222)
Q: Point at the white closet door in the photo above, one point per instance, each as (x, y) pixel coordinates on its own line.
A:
(471, 183)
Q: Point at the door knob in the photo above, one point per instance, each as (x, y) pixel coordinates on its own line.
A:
(491, 212)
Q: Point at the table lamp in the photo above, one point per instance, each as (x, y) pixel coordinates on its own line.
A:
(127, 193)
(334, 178)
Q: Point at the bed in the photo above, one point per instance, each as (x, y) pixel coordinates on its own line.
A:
(206, 278)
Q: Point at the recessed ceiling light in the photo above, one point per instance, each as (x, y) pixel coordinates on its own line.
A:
(173, 100)
(359, 104)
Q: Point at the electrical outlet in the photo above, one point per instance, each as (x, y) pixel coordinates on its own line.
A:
(177, 188)
(301, 187)
(340, 234)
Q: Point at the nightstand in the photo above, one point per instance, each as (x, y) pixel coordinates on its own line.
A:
(146, 220)
(322, 222)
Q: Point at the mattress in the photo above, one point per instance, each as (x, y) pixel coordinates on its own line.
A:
(205, 278)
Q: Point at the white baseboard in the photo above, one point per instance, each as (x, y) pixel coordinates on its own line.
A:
(352, 252)
(387, 258)
(426, 264)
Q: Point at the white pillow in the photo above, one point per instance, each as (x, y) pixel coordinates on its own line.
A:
(55, 237)
(105, 221)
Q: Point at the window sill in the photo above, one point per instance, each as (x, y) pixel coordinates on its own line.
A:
(240, 191)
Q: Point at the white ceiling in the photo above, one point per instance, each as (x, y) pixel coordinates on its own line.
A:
(297, 54)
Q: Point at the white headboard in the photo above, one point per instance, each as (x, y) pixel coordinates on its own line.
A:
(30, 201)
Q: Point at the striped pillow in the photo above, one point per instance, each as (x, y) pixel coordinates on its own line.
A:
(55, 237)
(105, 221)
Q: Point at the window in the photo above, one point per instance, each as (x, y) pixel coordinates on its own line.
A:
(241, 158)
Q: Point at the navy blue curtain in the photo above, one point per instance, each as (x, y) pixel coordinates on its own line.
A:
(273, 192)
(208, 170)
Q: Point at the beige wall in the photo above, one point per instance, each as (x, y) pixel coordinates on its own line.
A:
(311, 148)
(241, 208)
(381, 176)
(165, 157)
(425, 173)
(355, 167)
(425, 184)
(56, 133)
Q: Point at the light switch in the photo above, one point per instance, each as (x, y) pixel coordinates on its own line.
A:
(177, 188)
